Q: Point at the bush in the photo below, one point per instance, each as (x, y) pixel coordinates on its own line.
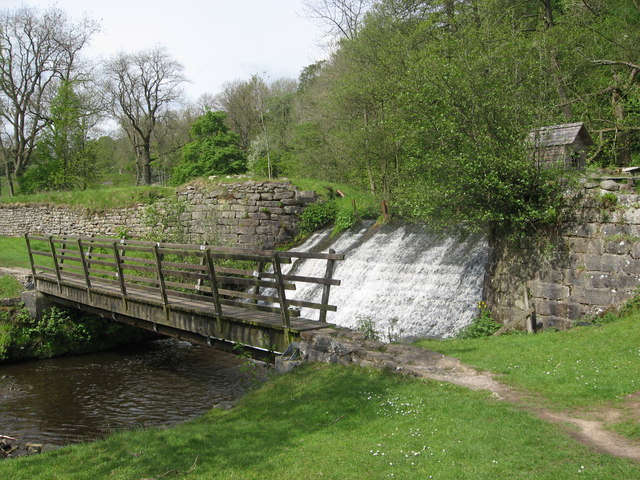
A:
(316, 216)
(59, 332)
(481, 326)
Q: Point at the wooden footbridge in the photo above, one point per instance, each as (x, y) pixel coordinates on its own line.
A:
(201, 293)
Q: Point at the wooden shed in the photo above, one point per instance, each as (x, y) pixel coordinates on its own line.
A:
(561, 146)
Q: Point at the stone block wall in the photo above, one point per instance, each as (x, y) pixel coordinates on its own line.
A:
(590, 264)
(49, 219)
(248, 214)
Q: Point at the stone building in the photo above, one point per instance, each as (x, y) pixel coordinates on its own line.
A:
(561, 146)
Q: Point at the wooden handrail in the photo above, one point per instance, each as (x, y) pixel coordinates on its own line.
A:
(177, 269)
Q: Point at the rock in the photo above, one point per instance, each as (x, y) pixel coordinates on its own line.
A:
(283, 366)
(610, 185)
(34, 447)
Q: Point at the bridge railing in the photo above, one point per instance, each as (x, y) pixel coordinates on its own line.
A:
(224, 276)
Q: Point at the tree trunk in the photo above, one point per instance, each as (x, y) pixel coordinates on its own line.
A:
(562, 93)
(145, 167)
(7, 171)
(623, 155)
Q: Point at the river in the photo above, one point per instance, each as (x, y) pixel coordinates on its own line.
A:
(76, 399)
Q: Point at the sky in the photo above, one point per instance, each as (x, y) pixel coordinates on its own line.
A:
(216, 41)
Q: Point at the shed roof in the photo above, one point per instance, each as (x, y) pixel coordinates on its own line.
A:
(564, 134)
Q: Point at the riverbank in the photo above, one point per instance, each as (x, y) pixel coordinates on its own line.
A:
(59, 332)
(80, 398)
(340, 422)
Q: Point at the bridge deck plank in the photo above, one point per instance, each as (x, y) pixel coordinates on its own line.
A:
(204, 306)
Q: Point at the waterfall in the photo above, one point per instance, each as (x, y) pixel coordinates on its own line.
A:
(399, 279)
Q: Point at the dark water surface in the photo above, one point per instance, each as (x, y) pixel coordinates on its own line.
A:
(76, 399)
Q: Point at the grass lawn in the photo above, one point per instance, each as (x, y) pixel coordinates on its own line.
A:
(10, 287)
(13, 253)
(339, 423)
(585, 366)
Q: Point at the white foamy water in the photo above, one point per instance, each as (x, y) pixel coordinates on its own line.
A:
(407, 281)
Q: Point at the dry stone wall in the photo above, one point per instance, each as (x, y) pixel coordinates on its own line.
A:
(48, 219)
(249, 214)
(591, 264)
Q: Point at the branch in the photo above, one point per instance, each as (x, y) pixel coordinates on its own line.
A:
(617, 129)
(616, 62)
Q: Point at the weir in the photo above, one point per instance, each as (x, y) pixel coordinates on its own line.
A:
(400, 279)
(200, 293)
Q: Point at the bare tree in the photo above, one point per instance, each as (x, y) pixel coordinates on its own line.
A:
(239, 100)
(37, 50)
(143, 86)
(343, 17)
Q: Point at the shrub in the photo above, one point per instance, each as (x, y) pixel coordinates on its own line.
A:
(481, 326)
(316, 216)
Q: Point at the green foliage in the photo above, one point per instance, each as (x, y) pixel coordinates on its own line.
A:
(213, 150)
(58, 332)
(342, 212)
(316, 216)
(367, 326)
(482, 325)
(165, 221)
(428, 107)
(64, 159)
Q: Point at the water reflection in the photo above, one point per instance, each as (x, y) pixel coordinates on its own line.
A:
(67, 400)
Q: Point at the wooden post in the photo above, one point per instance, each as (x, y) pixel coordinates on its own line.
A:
(85, 269)
(120, 273)
(214, 290)
(55, 261)
(123, 242)
(326, 288)
(212, 280)
(163, 288)
(256, 287)
(530, 321)
(33, 266)
(203, 262)
(63, 247)
(89, 251)
(284, 308)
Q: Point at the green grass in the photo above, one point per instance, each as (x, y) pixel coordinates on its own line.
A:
(326, 422)
(628, 428)
(585, 366)
(10, 287)
(96, 199)
(13, 252)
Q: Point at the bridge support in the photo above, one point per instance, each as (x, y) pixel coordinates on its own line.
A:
(36, 303)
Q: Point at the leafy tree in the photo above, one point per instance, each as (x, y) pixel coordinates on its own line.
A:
(213, 150)
(64, 158)
(37, 51)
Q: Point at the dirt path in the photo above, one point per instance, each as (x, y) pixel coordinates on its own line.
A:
(585, 427)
